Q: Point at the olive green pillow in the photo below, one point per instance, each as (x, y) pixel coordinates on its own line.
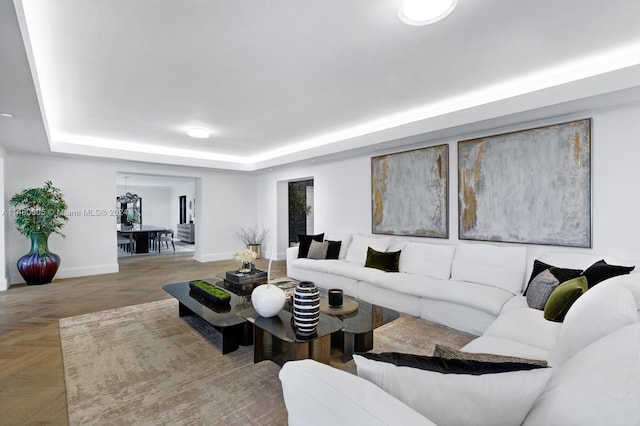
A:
(385, 261)
(563, 297)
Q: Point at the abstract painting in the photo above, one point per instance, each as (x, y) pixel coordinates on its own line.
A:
(409, 193)
(531, 186)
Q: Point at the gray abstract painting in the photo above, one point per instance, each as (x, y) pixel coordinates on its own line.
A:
(409, 193)
(531, 186)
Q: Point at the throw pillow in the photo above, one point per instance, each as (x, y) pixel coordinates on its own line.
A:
(305, 243)
(385, 261)
(450, 365)
(333, 251)
(601, 271)
(563, 297)
(562, 274)
(357, 252)
(448, 352)
(491, 399)
(317, 250)
(540, 288)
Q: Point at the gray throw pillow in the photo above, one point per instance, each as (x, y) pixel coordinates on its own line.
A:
(318, 250)
(540, 288)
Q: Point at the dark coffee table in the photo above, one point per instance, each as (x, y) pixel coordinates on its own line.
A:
(275, 338)
(356, 334)
(234, 328)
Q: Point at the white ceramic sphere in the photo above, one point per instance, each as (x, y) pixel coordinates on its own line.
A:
(268, 300)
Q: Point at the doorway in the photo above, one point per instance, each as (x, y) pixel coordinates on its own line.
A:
(300, 209)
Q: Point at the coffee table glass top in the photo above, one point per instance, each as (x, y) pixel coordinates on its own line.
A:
(366, 318)
(281, 325)
(219, 315)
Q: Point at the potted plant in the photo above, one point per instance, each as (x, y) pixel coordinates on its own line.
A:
(253, 239)
(39, 212)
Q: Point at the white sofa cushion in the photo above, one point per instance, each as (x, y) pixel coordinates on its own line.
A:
(597, 313)
(502, 267)
(459, 399)
(501, 346)
(320, 265)
(431, 260)
(357, 252)
(600, 385)
(630, 282)
(355, 271)
(486, 298)
(527, 326)
(317, 394)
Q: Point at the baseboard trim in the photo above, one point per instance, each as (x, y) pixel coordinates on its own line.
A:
(211, 257)
(83, 271)
(107, 268)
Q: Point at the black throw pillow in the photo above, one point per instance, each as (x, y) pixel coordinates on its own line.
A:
(451, 366)
(388, 261)
(601, 271)
(305, 243)
(562, 274)
(333, 252)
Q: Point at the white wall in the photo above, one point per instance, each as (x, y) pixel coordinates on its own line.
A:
(89, 188)
(227, 202)
(4, 282)
(156, 204)
(343, 188)
(189, 191)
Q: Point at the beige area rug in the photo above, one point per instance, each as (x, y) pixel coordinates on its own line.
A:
(145, 365)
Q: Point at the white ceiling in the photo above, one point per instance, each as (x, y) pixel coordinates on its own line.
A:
(287, 80)
(136, 180)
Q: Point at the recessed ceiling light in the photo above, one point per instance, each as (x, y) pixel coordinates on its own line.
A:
(6, 114)
(423, 12)
(198, 132)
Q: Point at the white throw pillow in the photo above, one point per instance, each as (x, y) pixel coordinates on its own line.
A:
(357, 252)
(430, 260)
(459, 399)
(502, 267)
(600, 385)
(600, 311)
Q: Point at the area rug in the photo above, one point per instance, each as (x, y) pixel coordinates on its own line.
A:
(143, 364)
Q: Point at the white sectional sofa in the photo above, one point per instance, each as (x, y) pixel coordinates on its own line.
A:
(463, 287)
(593, 356)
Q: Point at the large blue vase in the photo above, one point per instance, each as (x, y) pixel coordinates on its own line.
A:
(39, 265)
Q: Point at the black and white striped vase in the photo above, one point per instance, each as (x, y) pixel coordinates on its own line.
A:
(306, 307)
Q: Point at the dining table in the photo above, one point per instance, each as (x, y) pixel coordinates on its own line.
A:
(139, 235)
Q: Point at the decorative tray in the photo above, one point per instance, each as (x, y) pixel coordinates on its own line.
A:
(209, 292)
(348, 306)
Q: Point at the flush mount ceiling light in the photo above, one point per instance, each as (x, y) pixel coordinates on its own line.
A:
(198, 133)
(424, 12)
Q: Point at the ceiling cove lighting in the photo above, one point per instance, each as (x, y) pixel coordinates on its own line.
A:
(424, 12)
(198, 133)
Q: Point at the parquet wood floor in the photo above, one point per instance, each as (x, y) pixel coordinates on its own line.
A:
(32, 390)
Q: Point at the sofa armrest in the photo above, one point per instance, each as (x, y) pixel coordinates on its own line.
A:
(292, 254)
(317, 394)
